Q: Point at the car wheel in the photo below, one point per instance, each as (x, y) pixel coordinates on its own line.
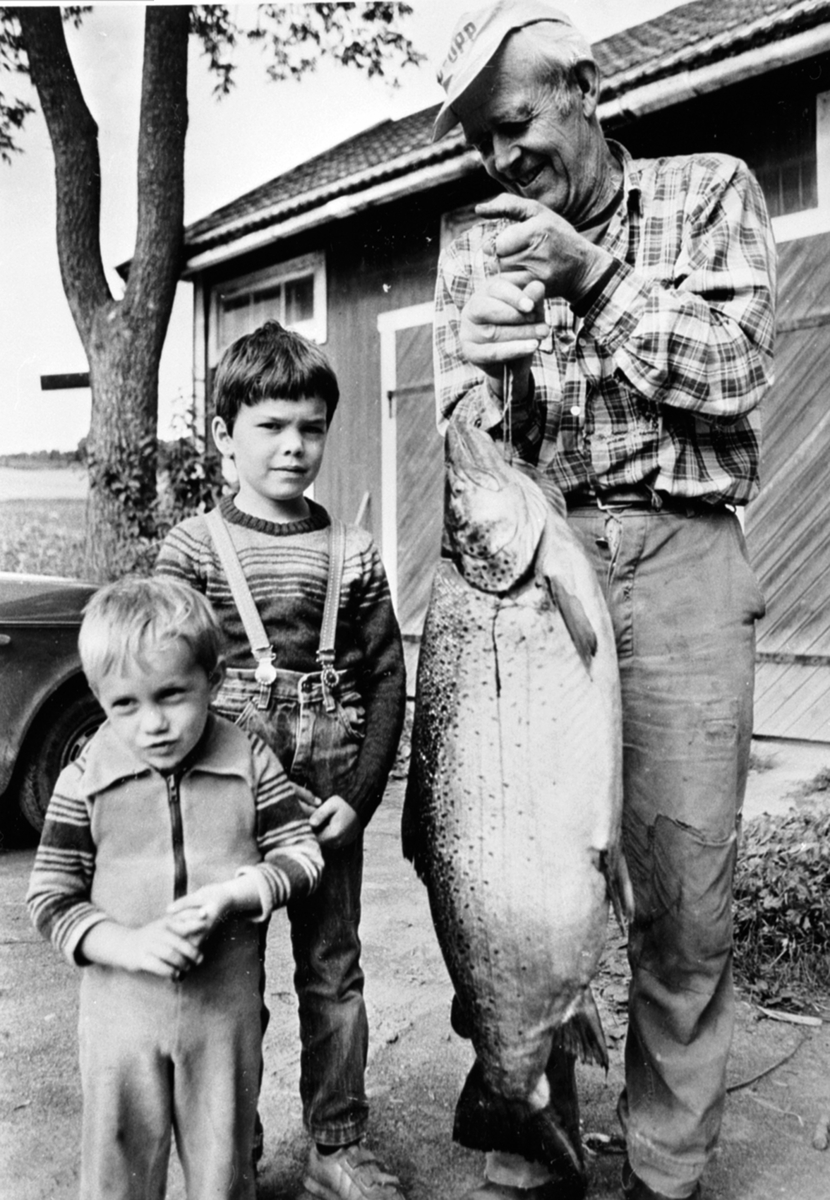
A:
(58, 736)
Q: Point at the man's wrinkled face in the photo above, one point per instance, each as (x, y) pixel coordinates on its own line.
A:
(530, 141)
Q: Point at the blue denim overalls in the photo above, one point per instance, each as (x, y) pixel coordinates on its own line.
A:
(314, 722)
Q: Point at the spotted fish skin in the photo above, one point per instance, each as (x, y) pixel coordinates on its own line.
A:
(513, 806)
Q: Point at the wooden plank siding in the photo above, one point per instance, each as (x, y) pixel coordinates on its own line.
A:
(787, 525)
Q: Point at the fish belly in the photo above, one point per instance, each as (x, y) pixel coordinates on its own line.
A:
(516, 776)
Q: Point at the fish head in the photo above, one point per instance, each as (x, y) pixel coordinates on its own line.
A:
(494, 515)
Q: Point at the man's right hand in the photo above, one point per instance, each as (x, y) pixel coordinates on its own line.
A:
(503, 323)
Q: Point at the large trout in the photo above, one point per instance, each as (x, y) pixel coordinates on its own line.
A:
(513, 805)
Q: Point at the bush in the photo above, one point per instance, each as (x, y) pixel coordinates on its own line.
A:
(782, 906)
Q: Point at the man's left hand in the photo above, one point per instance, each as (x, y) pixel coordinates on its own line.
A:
(541, 245)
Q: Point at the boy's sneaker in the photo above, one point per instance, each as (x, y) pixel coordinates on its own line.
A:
(351, 1173)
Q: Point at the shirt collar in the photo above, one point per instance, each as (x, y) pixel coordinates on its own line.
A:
(615, 240)
(106, 761)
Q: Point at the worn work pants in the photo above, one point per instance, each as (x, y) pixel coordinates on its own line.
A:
(160, 1058)
(684, 602)
(319, 749)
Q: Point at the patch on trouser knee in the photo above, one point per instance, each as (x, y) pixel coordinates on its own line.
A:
(682, 880)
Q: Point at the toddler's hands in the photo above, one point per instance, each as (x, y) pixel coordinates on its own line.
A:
(335, 822)
(198, 913)
(160, 950)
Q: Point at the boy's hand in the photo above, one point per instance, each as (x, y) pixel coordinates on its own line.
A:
(335, 822)
(155, 948)
(309, 803)
(190, 923)
(202, 910)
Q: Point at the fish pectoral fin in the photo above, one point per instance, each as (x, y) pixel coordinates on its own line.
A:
(618, 883)
(575, 617)
(581, 1035)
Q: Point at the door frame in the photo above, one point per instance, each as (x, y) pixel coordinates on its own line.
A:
(388, 325)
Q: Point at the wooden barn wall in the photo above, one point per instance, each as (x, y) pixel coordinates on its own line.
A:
(787, 525)
(384, 261)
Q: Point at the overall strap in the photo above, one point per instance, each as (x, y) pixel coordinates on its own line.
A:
(328, 631)
(261, 647)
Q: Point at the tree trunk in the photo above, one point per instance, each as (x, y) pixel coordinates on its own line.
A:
(123, 339)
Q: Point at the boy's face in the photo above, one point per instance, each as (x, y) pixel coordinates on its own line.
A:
(158, 708)
(277, 447)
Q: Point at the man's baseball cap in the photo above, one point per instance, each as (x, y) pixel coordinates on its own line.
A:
(477, 37)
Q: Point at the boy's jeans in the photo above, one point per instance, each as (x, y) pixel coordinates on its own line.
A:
(319, 749)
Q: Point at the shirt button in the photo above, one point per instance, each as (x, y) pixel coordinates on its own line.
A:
(575, 410)
(566, 337)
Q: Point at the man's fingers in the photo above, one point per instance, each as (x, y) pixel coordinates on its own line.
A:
(513, 208)
(487, 353)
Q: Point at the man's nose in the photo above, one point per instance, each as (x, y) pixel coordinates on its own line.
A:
(505, 152)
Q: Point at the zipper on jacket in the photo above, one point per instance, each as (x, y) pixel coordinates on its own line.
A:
(179, 864)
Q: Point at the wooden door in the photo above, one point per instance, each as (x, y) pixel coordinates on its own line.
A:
(413, 463)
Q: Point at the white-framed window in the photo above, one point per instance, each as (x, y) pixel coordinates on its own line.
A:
(814, 215)
(293, 293)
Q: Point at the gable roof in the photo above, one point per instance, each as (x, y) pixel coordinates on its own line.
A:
(397, 156)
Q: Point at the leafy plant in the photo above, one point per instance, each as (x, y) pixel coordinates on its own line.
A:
(782, 907)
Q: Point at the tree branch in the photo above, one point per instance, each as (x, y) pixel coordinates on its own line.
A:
(74, 137)
(157, 260)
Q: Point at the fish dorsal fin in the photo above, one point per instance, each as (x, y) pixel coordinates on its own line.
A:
(576, 619)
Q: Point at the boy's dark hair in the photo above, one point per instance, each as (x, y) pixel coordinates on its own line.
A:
(272, 363)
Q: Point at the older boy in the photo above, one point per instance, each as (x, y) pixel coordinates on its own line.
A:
(325, 686)
(164, 843)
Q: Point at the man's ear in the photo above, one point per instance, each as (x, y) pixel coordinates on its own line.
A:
(587, 76)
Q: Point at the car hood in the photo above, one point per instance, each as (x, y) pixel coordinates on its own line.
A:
(42, 599)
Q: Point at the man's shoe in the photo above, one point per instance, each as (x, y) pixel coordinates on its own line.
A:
(633, 1187)
(351, 1173)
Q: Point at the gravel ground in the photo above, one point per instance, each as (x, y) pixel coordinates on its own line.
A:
(416, 1064)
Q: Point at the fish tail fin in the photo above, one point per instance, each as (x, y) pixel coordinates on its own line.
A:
(618, 883)
(581, 1035)
(576, 620)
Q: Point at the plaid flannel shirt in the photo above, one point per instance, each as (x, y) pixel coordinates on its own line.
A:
(660, 381)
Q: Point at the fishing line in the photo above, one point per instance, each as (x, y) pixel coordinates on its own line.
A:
(507, 380)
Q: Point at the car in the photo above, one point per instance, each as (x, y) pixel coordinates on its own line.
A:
(47, 711)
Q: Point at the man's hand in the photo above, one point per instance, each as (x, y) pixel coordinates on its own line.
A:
(541, 246)
(503, 323)
(335, 822)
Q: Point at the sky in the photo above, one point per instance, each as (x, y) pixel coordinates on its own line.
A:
(233, 145)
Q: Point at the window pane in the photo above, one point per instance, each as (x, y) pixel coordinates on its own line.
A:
(299, 300)
(266, 305)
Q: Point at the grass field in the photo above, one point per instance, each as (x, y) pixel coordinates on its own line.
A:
(41, 537)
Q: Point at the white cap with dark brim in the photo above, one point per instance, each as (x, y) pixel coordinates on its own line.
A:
(477, 37)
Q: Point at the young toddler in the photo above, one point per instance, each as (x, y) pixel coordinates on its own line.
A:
(165, 843)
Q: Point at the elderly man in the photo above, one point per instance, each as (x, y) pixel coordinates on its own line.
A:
(614, 320)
